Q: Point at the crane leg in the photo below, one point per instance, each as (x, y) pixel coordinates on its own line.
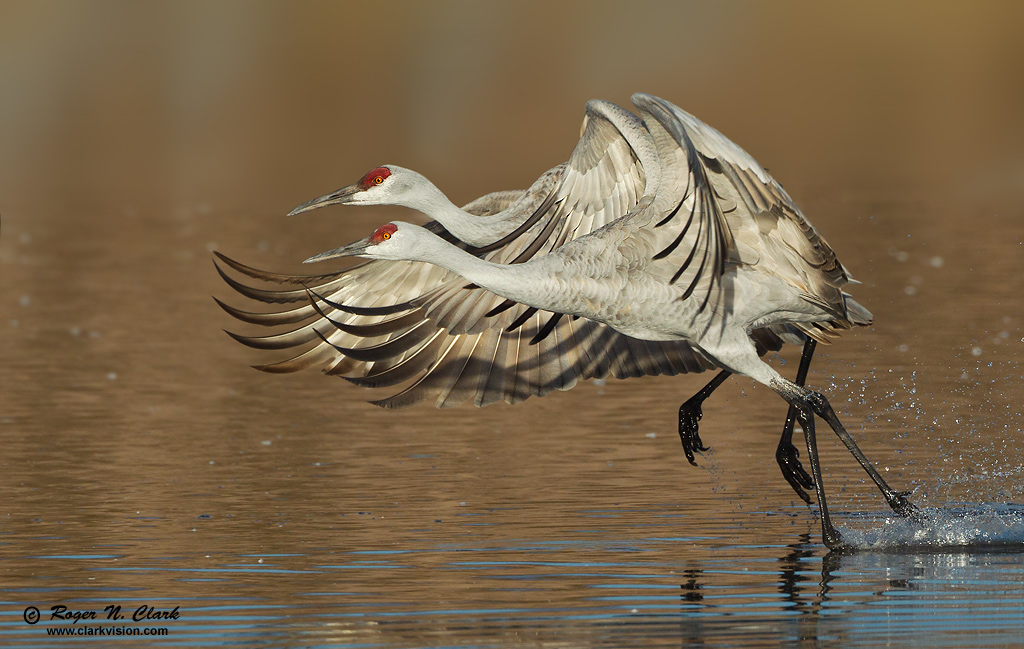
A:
(897, 500)
(787, 454)
(804, 412)
(801, 402)
(809, 403)
(689, 416)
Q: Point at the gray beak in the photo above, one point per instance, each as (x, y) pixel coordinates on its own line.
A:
(340, 197)
(351, 250)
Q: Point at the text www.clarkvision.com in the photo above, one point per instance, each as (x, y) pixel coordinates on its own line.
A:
(122, 631)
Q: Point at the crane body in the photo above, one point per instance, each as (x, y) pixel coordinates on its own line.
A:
(659, 247)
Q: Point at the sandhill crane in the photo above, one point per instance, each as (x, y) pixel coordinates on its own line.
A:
(609, 170)
(603, 179)
(674, 269)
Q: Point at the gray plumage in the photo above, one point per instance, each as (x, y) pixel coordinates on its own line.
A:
(449, 342)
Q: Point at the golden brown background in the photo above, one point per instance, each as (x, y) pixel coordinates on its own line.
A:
(137, 137)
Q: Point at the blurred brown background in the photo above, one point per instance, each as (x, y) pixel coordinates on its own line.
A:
(255, 106)
(137, 137)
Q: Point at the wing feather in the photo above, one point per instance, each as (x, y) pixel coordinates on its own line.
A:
(754, 220)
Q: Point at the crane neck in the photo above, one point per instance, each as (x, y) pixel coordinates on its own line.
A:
(475, 230)
(525, 283)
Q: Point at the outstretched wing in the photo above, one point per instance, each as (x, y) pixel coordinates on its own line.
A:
(735, 212)
(401, 346)
(367, 325)
(685, 227)
(604, 178)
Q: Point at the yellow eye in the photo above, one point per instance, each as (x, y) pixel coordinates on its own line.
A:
(386, 236)
(378, 179)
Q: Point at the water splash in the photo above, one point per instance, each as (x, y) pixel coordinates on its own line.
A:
(984, 527)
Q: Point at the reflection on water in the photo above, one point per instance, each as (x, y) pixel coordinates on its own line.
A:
(144, 464)
(630, 591)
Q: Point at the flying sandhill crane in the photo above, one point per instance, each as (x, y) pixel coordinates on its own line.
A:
(609, 170)
(673, 269)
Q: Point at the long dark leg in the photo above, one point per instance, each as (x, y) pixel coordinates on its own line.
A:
(815, 401)
(690, 413)
(787, 454)
(829, 534)
(897, 501)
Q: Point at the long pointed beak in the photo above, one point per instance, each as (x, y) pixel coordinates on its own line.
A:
(351, 250)
(340, 197)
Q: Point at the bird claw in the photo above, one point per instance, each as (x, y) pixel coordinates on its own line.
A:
(690, 414)
(788, 457)
(903, 507)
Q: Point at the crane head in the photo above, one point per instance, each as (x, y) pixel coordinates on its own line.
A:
(374, 188)
(395, 241)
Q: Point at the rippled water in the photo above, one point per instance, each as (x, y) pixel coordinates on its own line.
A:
(144, 465)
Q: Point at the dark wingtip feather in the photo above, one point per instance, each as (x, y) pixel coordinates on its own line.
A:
(261, 295)
(523, 317)
(526, 225)
(279, 278)
(546, 330)
(266, 319)
(362, 310)
(501, 308)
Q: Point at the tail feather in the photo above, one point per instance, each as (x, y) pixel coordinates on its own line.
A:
(856, 313)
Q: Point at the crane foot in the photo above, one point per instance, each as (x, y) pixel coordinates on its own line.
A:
(689, 416)
(788, 457)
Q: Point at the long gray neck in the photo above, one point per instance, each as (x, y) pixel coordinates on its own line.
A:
(474, 230)
(528, 283)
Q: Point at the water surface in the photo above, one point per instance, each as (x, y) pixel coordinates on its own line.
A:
(144, 464)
